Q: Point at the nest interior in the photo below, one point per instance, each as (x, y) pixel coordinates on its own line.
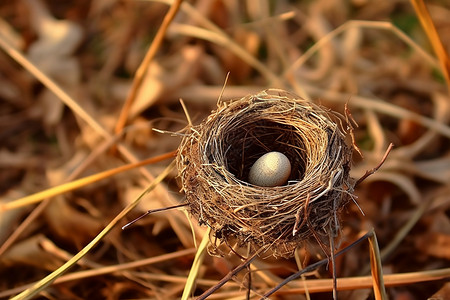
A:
(215, 157)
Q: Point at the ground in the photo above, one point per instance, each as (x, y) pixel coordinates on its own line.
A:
(67, 68)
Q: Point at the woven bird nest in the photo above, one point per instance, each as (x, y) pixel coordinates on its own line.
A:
(215, 157)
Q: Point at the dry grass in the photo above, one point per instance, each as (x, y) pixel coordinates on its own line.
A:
(57, 128)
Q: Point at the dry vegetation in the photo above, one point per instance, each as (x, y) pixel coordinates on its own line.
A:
(388, 74)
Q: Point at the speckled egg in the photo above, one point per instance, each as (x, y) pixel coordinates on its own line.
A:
(271, 169)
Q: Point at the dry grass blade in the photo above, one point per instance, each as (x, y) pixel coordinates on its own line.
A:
(63, 96)
(75, 184)
(51, 85)
(364, 282)
(358, 24)
(44, 204)
(221, 39)
(198, 261)
(34, 290)
(381, 107)
(401, 234)
(432, 34)
(376, 268)
(216, 35)
(151, 53)
(107, 270)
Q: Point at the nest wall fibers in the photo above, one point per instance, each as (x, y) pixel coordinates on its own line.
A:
(215, 157)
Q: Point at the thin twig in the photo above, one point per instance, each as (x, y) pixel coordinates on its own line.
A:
(151, 211)
(223, 88)
(370, 172)
(379, 289)
(350, 122)
(186, 113)
(230, 275)
(333, 264)
(249, 285)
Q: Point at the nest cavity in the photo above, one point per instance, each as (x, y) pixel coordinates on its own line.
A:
(215, 157)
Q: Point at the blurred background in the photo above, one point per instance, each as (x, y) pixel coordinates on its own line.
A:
(372, 54)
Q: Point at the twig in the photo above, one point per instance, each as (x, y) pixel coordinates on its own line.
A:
(370, 172)
(230, 275)
(333, 263)
(151, 211)
(350, 121)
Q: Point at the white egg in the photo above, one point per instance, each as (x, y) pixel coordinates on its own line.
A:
(271, 169)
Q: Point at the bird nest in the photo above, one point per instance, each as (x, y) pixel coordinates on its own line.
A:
(215, 157)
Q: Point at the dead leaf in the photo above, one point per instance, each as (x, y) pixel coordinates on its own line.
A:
(30, 253)
(434, 244)
(442, 294)
(71, 225)
(52, 53)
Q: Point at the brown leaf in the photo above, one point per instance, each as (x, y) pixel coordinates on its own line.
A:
(434, 244)
(29, 252)
(442, 294)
